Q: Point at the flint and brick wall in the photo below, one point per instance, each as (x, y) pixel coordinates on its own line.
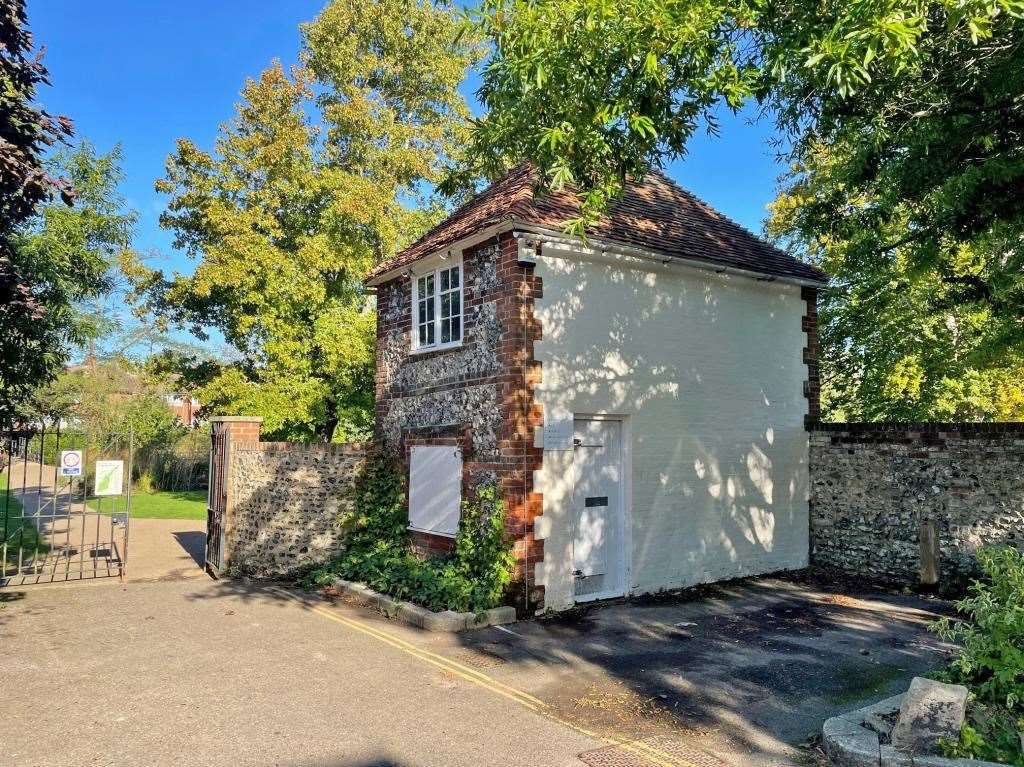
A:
(875, 487)
(283, 504)
(477, 395)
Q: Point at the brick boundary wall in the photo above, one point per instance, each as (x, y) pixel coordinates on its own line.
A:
(284, 500)
(891, 502)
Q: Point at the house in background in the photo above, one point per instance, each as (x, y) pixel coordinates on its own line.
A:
(185, 407)
(639, 398)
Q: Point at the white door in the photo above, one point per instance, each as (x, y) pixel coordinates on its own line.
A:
(599, 526)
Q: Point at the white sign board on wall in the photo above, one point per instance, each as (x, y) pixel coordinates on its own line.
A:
(435, 489)
(558, 431)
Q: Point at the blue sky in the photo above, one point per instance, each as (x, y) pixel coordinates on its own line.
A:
(146, 72)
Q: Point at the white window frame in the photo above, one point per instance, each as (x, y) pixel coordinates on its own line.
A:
(435, 271)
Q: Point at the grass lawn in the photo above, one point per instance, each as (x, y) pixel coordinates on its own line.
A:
(167, 504)
(20, 532)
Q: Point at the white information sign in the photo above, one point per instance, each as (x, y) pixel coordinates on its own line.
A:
(558, 432)
(109, 477)
(71, 463)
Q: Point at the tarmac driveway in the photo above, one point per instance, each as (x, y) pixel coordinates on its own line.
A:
(224, 673)
(746, 671)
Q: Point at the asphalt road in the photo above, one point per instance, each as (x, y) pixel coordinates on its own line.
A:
(216, 673)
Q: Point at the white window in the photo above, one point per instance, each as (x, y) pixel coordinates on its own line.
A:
(437, 308)
(435, 489)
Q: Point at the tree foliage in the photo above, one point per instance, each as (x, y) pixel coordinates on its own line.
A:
(903, 125)
(900, 340)
(35, 292)
(324, 171)
(110, 400)
(593, 90)
(72, 256)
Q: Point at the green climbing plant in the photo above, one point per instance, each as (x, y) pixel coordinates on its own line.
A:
(474, 577)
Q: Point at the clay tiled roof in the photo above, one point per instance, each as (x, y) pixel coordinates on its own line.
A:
(655, 215)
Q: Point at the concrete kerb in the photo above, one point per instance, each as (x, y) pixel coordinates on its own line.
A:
(447, 621)
(851, 740)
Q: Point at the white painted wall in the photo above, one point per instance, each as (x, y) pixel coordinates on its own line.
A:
(708, 372)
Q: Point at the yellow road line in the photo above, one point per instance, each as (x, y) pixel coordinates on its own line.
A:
(648, 752)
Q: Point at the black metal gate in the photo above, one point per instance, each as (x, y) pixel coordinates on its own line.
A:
(216, 502)
(65, 503)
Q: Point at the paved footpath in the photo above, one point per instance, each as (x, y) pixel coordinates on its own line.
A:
(220, 673)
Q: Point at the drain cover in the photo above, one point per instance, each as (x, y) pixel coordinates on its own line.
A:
(613, 756)
(663, 751)
(477, 659)
(683, 754)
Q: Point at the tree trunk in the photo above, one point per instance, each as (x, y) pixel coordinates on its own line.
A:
(325, 430)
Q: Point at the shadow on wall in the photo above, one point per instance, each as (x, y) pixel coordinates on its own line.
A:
(709, 370)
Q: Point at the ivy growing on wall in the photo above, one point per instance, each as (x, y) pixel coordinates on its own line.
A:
(473, 577)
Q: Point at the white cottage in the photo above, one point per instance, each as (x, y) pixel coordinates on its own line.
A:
(639, 398)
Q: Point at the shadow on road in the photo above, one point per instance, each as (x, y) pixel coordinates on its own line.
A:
(194, 544)
(380, 762)
(745, 670)
(750, 668)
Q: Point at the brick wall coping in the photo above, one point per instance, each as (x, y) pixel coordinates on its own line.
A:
(897, 427)
(347, 448)
(236, 419)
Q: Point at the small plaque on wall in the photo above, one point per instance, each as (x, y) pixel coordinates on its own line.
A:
(558, 432)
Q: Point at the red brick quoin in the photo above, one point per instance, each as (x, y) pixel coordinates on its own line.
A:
(809, 323)
(510, 458)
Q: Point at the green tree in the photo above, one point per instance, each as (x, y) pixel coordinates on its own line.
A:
(899, 341)
(592, 90)
(37, 290)
(94, 236)
(903, 123)
(324, 171)
(110, 399)
(72, 253)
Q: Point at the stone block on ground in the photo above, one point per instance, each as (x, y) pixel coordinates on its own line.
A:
(847, 744)
(413, 614)
(496, 616)
(893, 757)
(930, 711)
(445, 621)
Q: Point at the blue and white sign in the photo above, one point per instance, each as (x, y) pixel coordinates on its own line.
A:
(71, 463)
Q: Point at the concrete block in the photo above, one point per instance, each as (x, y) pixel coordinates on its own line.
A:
(388, 605)
(941, 761)
(359, 590)
(850, 745)
(497, 616)
(893, 757)
(930, 710)
(878, 717)
(446, 621)
(356, 590)
(413, 614)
